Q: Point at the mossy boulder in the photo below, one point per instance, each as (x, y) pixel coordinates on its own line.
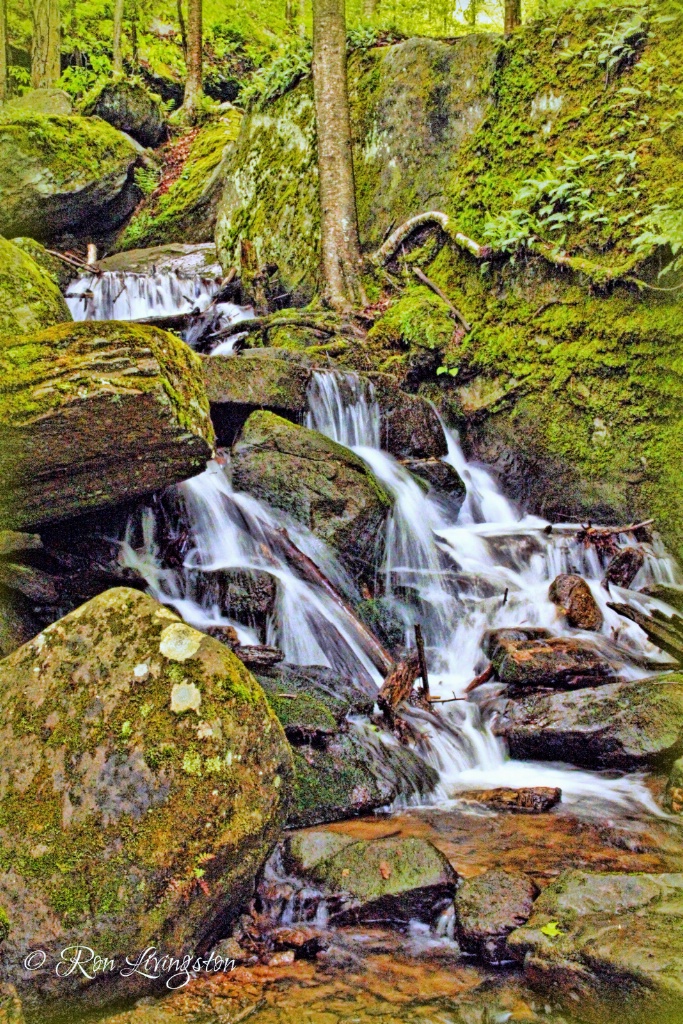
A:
(186, 208)
(60, 172)
(60, 272)
(623, 725)
(94, 413)
(144, 782)
(127, 104)
(317, 482)
(38, 101)
(29, 298)
(488, 907)
(609, 943)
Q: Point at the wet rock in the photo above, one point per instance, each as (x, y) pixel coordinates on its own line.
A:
(303, 851)
(18, 623)
(316, 481)
(60, 173)
(29, 298)
(281, 959)
(573, 595)
(531, 658)
(488, 908)
(409, 426)
(672, 596)
(304, 940)
(392, 881)
(381, 616)
(443, 480)
(130, 107)
(160, 756)
(623, 725)
(247, 595)
(177, 258)
(530, 800)
(95, 413)
(610, 943)
(624, 567)
(674, 788)
(357, 772)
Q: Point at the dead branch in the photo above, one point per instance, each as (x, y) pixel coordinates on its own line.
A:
(419, 643)
(72, 261)
(398, 685)
(421, 276)
(483, 677)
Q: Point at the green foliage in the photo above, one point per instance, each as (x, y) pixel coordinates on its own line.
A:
(147, 179)
(78, 81)
(280, 75)
(662, 229)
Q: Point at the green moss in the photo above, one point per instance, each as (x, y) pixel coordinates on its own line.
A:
(29, 299)
(4, 925)
(57, 269)
(419, 318)
(302, 712)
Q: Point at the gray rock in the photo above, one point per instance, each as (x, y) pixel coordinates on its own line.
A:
(130, 107)
(490, 906)
(173, 258)
(624, 567)
(623, 725)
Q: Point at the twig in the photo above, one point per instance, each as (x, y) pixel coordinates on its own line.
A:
(482, 678)
(505, 595)
(442, 295)
(419, 643)
(67, 259)
(592, 533)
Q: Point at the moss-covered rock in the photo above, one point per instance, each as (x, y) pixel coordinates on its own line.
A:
(610, 943)
(93, 413)
(129, 106)
(59, 173)
(256, 382)
(317, 482)
(60, 272)
(627, 726)
(144, 780)
(38, 101)
(186, 207)
(29, 298)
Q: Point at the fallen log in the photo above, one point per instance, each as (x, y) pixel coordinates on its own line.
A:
(663, 631)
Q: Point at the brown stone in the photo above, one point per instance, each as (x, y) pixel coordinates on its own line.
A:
(545, 661)
(573, 595)
(527, 800)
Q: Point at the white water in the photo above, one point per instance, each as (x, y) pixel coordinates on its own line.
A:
(448, 573)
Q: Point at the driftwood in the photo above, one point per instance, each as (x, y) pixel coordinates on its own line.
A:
(398, 685)
(604, 538)
(483, 677)
(663, 631)
(421, 276)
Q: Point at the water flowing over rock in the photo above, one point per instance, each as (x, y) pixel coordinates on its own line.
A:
(609, 943)
(29, 299)
(59, 173)
(522, 661)
(95, 414)
(488, 908)
(573, 595)
(130, 107)
(138, 803)
(620, 725)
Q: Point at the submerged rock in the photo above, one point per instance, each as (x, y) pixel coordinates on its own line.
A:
(29, 298)
(316, 481)
(609, 943)
(59, 173)
(94, 413)
(573, 595)
(130, 107)
(489, 907)
(623, 725)
(144, 782)
(525, 658)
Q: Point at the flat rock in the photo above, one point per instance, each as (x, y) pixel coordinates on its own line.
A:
(256, 382)
(37, 101)
(489, 907)
(573, 596)
(95, 413)
(529, 800)
(140, 749)
(528, 658)
(178, 258)
(612, 945)
(623, 725)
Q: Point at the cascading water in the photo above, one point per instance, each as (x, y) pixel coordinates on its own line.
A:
(484, 567)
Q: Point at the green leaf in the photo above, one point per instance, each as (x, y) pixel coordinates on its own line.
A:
(551, 929)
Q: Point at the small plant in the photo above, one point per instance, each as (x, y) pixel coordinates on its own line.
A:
(613, 49)
(662, 229)
(19, 79)
(147, 179)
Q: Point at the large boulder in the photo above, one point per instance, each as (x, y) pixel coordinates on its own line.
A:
(37, 101)
(628, 726)
(59, 173)
(130, 107)
(316, 481)
(29, 299)
(61, 273)
(609, 943)
(143, 782)
(524, 658)
(490, 906)
(93, 413)
(573, 596)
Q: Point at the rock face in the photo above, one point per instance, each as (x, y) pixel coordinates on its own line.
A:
(94, 413)
(627, 726)
(532, 658)
(409, 426)
(443, 480)
(316, 481)
(573, 595)
(488, 908)
(382, 880)
(614, 946)
(144, 781)
(130, 107)
(29, 299)
(60, 173)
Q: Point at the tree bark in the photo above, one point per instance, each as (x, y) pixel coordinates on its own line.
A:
(134, 33)
(45, 45)
(343, 288)
(193, 83)
(117, 50)
(181, 25)
(513, 15)
(301, 18)
(3, 50)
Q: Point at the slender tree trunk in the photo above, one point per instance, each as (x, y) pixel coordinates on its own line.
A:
(369, 8)
(301, 18)
(117, 50)
(134, 33)
(513, 15)
(338, 216)
(193, 81)
(3, 50)
(46, 44)
(181, 25)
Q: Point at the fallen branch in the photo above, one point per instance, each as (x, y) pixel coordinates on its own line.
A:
(71, 261)
(398, 685)
(421, 276)
(483, 677)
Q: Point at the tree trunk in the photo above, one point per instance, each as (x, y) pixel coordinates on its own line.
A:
(134, 33)
(193, 82)
(301, 18)
(181, 25)
(117, 50)
(513, 15)
(3, 51)
(369, 8)
(338, 218)
(45, 45)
